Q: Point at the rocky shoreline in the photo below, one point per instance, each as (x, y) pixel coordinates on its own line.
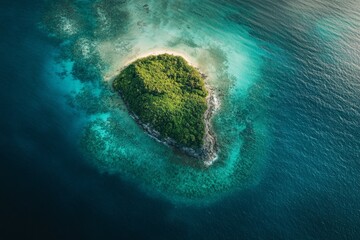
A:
(208, 152)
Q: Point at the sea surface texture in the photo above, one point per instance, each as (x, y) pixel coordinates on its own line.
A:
(75, 165)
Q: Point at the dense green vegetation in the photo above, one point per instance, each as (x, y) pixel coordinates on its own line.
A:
(167, 93)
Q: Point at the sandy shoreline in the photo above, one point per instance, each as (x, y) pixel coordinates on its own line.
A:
(161, 51)
(207, 153)
(133, 57)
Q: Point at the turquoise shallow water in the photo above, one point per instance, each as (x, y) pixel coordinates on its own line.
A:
(104, 39)
(75, 165)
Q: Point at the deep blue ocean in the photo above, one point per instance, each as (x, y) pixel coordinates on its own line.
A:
(289, 122)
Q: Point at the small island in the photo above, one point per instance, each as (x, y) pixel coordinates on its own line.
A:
(169, 100)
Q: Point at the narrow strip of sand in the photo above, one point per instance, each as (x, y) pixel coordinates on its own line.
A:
(134, 56)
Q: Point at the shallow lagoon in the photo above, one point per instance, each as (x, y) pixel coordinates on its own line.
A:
(103, 39)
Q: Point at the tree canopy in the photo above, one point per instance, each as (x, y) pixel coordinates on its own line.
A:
(167, 93)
